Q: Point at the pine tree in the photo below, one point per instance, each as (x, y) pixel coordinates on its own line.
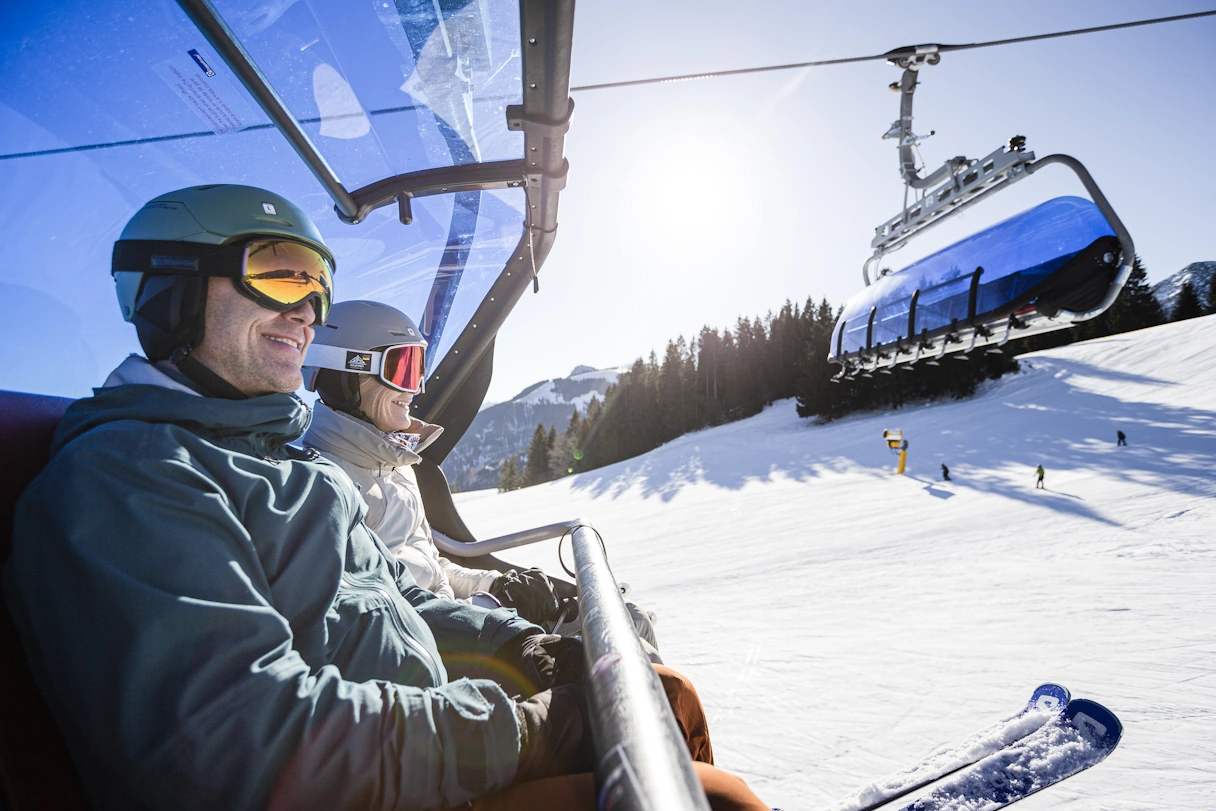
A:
(564, 456)
(1187, 305)
(1212, 293)
(509, 476)
(670, 393)
(536, 470)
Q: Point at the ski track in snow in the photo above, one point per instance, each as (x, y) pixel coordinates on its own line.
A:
(841, 622)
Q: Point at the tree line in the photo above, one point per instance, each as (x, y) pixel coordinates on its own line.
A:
(723, 376)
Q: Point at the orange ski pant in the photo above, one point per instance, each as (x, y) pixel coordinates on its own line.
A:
(576, 792)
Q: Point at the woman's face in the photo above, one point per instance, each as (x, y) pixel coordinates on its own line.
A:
(388, 408)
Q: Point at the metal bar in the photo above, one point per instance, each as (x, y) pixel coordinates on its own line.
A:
(439, 180)
(225, 42)
(489, 546)
(907, 161)
(1127, 261)
(642, 761)
(546, 33)
(973, 295)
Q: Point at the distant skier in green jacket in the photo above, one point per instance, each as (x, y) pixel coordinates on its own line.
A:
(1038, 484)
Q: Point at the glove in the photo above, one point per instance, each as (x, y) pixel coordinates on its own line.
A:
(554, 734)
(529, 592)
(543, 661)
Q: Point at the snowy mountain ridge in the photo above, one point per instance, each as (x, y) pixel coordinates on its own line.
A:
(1199, 274)
(840, 621)
(505, 429)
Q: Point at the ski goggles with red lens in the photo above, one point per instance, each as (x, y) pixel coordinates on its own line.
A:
(278, 274)
(401, 367)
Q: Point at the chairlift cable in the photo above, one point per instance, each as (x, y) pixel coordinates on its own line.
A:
(636, 82)
(850, 59)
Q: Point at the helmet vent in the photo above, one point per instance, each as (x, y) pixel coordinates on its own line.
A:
(275, 221)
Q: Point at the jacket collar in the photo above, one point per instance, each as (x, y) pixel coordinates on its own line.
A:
(353, 440)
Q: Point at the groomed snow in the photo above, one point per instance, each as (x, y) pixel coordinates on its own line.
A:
(841, 621)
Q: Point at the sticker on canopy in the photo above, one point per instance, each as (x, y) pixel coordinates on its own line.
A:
(211, 96)
(358, 361)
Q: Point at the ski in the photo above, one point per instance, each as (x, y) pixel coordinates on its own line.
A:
(1083, 736)
(1045, 705)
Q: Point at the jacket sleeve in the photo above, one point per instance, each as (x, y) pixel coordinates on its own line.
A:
(461, 628)
(463, 581)
(149, 623)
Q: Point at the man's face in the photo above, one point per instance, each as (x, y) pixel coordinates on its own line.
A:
(255, 349)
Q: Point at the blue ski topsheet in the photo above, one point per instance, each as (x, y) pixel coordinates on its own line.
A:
(1016, 254)
(1045, 705)
(1084, 735)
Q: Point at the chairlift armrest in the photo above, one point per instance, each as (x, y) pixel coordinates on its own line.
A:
(489, 546)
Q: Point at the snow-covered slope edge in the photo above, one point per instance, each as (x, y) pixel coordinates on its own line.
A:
(841, 621)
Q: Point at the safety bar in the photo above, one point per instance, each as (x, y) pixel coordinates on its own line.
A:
(492, 545)
(1128, 248)
(642, 762)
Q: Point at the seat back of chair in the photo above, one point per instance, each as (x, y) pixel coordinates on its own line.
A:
(35, 768)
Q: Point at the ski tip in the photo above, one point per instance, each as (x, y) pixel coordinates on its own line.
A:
(1095, 722)
(1048, 697)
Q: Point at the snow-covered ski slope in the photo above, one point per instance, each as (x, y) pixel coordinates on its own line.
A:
(841, 621)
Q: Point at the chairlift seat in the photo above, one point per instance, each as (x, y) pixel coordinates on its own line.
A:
(1056, 256)
(36, 770)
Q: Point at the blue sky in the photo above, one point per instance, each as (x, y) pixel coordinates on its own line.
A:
(687, 204)
(696, 202)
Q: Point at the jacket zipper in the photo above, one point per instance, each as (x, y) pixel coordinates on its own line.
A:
(417, 646)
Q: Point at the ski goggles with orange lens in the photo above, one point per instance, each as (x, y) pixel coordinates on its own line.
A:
(283, 275)
(278, 274)
(401, 367)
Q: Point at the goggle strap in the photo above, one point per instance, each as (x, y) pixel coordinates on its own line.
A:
(340, 359)
(177, 258)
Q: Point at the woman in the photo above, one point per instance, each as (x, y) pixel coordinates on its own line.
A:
(368, 363)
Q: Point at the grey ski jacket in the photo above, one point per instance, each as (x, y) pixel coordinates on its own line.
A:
(382, 469)
(214, 626)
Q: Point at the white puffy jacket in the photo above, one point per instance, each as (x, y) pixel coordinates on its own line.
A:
(381, 466)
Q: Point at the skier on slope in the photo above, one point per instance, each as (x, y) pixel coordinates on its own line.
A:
(369, 363)
(1039, 473)
(945, 473)
(1122, 437)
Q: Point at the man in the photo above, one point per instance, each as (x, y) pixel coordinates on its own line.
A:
(211, 623)
(1038, 481)
(1121, 437)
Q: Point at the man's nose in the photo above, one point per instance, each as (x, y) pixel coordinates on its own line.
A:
(304, 313)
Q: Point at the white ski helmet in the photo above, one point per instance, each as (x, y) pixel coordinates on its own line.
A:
(364, 338)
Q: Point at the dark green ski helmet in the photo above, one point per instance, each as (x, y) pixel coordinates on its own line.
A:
(161, 281)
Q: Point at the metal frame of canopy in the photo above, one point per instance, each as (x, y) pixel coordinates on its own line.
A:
(456, 387)
(546, 30)
(962, 182)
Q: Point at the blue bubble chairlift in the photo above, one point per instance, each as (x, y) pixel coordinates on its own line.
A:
(1047, 268)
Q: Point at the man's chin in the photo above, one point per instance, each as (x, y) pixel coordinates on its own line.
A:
(281, 381)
